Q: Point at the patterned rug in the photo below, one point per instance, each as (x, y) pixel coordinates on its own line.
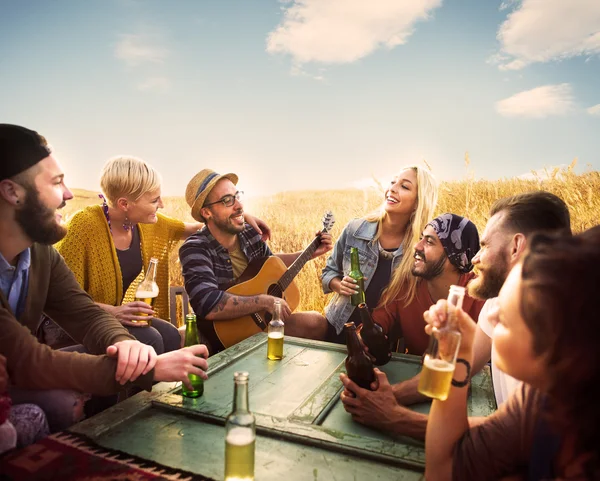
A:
(69, 456)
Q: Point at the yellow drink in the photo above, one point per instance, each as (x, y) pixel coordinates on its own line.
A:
(147, 300)
(436, 378)
(147, 297)
(239, 455)
(275, 346)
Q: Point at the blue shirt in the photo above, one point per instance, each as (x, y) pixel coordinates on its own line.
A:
(359, 233)
(13, 281)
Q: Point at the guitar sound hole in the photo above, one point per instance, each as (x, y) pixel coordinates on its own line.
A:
(275, 291)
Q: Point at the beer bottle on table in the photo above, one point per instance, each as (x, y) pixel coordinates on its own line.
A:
(275, 334)
(240, 434)
(147, 289)
(359, 366)
(373, 337)
(357, 275)
(440, 357)
(191, 338)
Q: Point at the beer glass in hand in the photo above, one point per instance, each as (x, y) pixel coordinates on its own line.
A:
(147, 290)
(439, 359)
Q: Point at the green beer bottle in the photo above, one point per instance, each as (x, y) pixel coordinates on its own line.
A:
(357, 275)
(191, 338)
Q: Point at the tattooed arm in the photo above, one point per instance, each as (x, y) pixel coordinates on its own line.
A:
(231, 306)
(206, 296)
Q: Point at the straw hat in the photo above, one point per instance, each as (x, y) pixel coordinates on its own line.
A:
(200, 186)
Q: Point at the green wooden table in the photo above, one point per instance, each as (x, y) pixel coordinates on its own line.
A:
(303, 432)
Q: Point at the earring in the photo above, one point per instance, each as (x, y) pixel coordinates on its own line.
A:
(127, 225)
(17, 201)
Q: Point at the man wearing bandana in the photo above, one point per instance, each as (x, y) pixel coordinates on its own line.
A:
(442, 258)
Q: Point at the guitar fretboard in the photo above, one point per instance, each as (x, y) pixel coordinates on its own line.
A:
(298, 264)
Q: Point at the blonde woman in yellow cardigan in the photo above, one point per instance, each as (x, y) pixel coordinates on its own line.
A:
(108, 246)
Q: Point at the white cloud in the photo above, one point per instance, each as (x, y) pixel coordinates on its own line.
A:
(595, 110)
(155, 84)
(136, 49)
(342, 31)
(548, 30)
(539, 102)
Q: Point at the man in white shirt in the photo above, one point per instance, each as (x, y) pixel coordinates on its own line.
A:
(504, 240)
(512, 221)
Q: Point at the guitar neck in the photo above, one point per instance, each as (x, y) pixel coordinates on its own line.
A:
(298, 264)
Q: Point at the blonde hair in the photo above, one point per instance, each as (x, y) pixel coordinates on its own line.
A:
(403, 285)
(128, 177)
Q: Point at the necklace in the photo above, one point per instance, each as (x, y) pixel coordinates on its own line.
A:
(127, 225)
(384, 253)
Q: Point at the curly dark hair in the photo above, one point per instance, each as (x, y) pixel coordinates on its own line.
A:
(560, 289)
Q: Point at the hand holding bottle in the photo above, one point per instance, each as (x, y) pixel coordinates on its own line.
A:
(271, 302)
(439, 360)
(129, 313)
(348, 286)
(437, 316)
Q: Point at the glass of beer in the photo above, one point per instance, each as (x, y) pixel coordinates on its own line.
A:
(147, 289)
(439, 359)
(438, 365)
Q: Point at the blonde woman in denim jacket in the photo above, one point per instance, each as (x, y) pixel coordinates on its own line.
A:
(381, 239)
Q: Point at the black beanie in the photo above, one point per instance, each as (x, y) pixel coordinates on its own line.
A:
(20, 148)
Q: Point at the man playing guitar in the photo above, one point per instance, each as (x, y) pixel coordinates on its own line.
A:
(215, 258)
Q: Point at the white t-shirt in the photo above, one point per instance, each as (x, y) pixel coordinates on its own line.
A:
(504, 385)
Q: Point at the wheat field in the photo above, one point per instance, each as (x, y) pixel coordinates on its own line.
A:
(294, 217)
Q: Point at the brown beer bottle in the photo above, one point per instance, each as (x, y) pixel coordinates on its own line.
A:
(359, 366)
(373, 337)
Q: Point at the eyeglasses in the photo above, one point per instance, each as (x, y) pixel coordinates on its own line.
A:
(228, 200)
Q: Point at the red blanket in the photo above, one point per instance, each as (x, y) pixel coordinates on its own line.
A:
(69, 457)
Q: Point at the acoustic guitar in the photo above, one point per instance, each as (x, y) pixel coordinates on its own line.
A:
(267, 275)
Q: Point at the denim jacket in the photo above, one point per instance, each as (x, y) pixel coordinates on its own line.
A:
(358, 233)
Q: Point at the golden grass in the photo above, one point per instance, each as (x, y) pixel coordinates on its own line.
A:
(294, 217)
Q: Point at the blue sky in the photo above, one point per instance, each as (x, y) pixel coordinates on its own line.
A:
(305, 94)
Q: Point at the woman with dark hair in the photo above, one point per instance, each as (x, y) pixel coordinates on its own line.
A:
(547, 335)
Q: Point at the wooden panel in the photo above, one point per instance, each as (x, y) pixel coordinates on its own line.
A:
(183, 442)
(298, 412)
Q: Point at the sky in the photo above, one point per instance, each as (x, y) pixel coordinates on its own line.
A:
(305, 94)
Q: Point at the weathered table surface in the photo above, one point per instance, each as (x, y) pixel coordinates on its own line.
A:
(303, 432)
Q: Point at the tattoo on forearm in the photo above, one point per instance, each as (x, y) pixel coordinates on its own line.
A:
(235, 306)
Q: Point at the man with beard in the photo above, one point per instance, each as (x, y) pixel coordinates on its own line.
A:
(512, 222)
(442, 258)
(215, 257)
(35, 279)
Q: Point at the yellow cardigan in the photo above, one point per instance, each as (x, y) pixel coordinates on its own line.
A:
(90, 252)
